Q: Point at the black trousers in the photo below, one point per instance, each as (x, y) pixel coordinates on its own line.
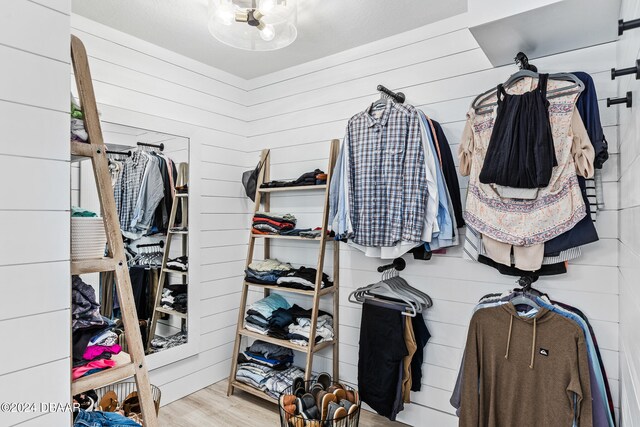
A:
(422, 336)
(382, 348)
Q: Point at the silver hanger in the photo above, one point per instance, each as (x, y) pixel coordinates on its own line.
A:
(395, 287)
(577, 87)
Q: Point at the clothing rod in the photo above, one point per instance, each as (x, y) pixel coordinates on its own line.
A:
(628, 100)
(399, 96)
(122, 153)
(627, 25)
(146, 144)
(526, 281)
(624, 71)
(398, 263)
(148, 245)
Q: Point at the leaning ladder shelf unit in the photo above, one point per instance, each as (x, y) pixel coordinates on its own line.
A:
(131, 364)
(263, 197)
(181, 198)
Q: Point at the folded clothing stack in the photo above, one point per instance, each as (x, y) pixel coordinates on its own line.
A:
(104, 419)
(260, 312)
(300, 330)
(94, 341)
(294, 324)
(175, 298)
(315, 177)
(303, 278)
(162, 343)
(180, 263)
(281, 380)
(270, 223)
(267, 367)
(78, 132)
(77, 212)
(266, 272)
(271, 355)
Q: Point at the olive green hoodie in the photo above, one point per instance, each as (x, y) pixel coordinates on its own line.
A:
(524, 372)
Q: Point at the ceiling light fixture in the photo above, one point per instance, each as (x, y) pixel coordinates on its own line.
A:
(243, 24)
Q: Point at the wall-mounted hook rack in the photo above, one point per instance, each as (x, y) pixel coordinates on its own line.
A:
(525, 282)
(146, 144)
(120, 153)
(624, 71)
(625, 100)
(148, 245)
(398, 96)
(522, 61)
(398, 263)
(627, 25)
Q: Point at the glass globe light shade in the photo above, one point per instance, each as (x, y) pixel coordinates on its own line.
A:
(277, 29)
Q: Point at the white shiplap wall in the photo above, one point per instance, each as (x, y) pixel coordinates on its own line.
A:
(34, 168)
(440, 68)
(629, 164)
(141, 85)
(296, 111)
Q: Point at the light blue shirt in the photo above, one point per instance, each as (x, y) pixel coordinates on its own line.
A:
(338, 212)
(600, 395)
(444, 238)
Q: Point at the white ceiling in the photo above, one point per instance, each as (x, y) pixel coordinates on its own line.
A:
(325, 27)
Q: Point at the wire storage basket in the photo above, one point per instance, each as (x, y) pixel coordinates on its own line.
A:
(348, 399)
(124, 392)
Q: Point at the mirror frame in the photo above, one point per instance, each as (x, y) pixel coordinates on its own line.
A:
(170, 127)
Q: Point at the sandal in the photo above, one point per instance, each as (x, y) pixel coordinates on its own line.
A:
(131, 404)
(109, 402)
(324, 379)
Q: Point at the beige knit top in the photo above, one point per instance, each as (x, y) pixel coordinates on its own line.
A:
(557, 207)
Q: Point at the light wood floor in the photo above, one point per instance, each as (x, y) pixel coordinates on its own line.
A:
(211, 407)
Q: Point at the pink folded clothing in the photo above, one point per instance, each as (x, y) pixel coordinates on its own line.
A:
(94, 351)
(95, 364)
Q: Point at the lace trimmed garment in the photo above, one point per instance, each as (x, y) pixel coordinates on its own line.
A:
(558, 207)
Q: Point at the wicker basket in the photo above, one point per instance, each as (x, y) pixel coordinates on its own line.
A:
(288, 419)
(125, 388)
(88, 239)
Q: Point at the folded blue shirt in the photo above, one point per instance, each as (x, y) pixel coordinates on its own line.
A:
(268, 305)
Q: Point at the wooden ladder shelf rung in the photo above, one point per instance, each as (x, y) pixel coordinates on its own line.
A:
(124, 369)
(98, 265)
(132, 364)
(263, 195)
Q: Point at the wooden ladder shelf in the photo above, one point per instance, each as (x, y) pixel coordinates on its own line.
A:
(263, 196)
(130, 364)
(158, 310)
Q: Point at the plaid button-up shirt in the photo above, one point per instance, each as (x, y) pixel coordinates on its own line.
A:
(387, 183)
(127, 188)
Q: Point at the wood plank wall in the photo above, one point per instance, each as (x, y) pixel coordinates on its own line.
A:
(35, 171)
(298, 110)
(627, 53)
(142, 85)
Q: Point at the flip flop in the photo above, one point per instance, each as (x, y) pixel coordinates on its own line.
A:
(340, 393)
(131, 404)
(109, 402)
(323, 399)
(324, 379)
(298, 382)
(307, 407)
